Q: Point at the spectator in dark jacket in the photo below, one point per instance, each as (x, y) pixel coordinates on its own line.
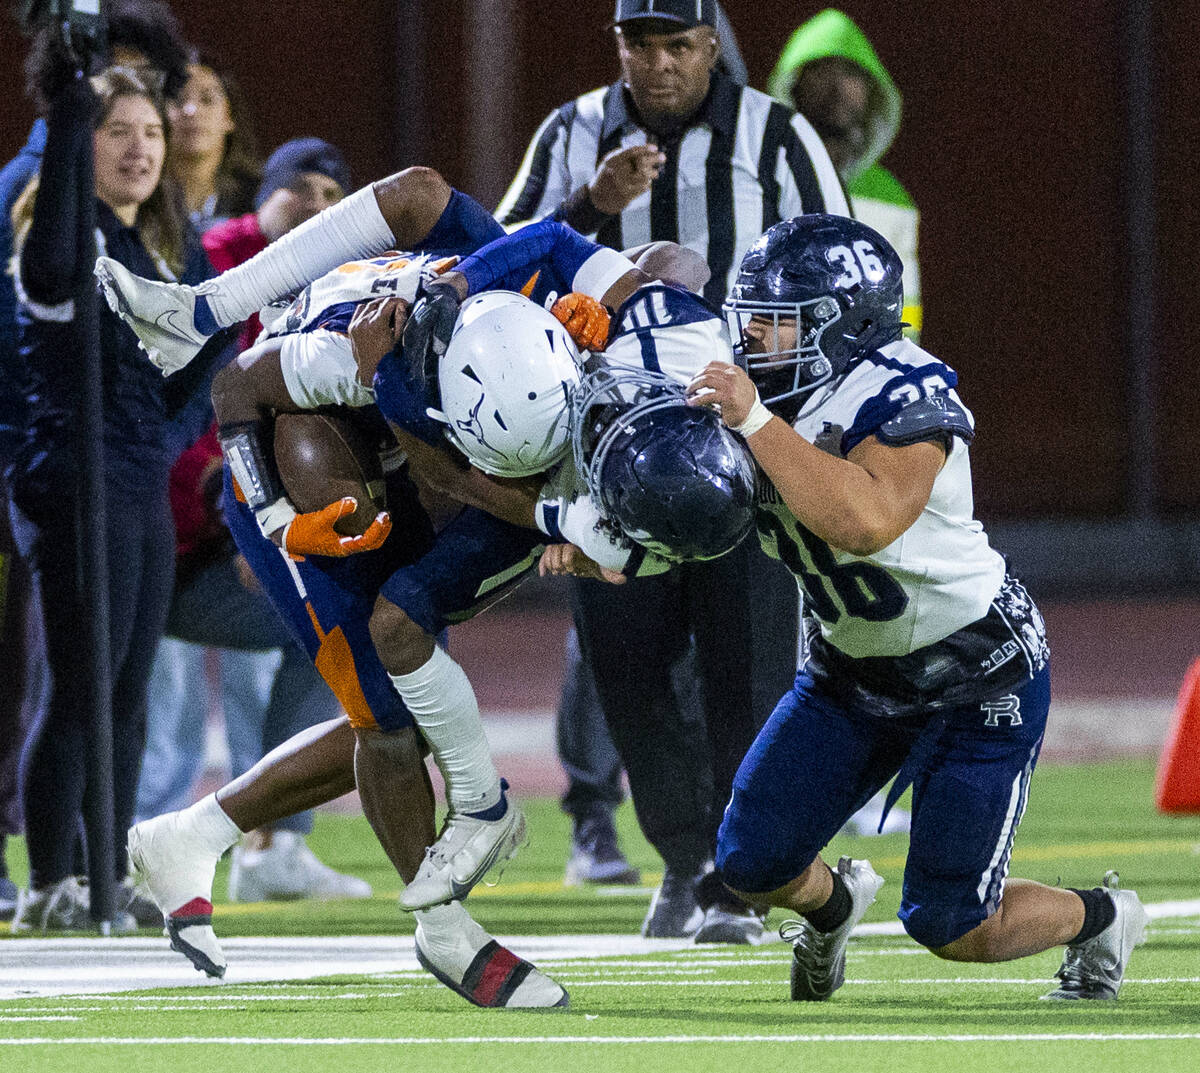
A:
(142, 34)
(145, 419)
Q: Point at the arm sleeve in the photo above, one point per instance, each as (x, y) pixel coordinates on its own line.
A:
(53, 262)
(543, 180)
(588, 267)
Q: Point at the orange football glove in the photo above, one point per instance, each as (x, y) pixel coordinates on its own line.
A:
(585, 319)
(313, 533)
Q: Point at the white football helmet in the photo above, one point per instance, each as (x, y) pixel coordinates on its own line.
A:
(506, 382)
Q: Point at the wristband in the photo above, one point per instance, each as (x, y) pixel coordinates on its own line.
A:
(758, 416)
(274, 516)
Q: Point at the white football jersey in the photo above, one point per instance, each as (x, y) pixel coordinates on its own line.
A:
(938, 576)
(667, 330)
(316, 358)
(393, 275)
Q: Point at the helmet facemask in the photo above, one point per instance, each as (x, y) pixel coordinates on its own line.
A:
(605, 401)
(783, 375)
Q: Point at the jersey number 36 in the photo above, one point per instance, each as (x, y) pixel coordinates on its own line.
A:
(864, 590)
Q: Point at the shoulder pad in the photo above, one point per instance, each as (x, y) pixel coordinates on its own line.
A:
(660, 304)
(930, 418)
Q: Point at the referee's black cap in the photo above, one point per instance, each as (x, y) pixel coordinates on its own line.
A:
(688, 13)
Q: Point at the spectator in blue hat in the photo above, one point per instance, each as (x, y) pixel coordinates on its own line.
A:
(302, 177)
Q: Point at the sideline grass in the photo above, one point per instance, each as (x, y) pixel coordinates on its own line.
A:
(704, 1009)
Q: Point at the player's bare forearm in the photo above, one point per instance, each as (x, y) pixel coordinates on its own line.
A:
(861, 503)
(670, 261)
(251, 386)
(435, 468)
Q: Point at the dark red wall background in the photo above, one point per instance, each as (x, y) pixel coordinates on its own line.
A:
(1012, 145)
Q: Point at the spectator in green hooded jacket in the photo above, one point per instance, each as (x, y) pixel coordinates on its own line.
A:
(830, 74)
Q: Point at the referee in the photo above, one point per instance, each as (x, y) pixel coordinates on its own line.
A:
(678, 150)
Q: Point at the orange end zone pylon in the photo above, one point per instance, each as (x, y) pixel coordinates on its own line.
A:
(1177, 788)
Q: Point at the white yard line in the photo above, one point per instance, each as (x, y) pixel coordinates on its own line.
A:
(34, 968)
(524, 1041)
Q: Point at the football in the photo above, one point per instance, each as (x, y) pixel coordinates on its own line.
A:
(323, 456)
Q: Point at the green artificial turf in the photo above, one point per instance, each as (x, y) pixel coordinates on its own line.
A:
(706, 1008)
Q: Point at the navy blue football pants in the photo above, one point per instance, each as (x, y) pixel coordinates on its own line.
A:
(816, 763)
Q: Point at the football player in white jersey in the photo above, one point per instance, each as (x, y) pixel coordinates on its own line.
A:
(928, 661)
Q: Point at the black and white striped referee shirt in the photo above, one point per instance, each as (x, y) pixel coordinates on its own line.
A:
(744, 163)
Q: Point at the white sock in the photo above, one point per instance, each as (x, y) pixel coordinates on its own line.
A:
(210, 825)
(442, 919)
(442, 702)
(351, 229)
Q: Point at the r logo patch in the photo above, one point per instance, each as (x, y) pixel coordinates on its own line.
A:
(1008, 707)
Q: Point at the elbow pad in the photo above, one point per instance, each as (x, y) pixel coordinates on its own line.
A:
(252, 466)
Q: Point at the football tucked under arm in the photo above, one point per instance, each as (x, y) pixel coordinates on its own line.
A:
(323, 457)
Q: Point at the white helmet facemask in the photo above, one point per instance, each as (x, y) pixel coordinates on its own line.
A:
(506, 381)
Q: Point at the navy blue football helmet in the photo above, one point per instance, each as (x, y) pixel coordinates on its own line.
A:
(839, 279)
(671, 476)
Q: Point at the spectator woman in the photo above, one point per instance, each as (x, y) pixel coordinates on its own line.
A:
(146, 418)
(212, 153)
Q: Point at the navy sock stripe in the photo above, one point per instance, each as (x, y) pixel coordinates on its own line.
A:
(515, 979)
(495, 811)
(203, 317)
(475, 970)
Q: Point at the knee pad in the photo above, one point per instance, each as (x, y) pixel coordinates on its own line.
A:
(932, 926)
(751, 865)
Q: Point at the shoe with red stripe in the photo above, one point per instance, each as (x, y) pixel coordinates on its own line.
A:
(190, 930)
(176, 870)
(464, 957)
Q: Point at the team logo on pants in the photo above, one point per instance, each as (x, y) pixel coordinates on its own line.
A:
(1008, 707)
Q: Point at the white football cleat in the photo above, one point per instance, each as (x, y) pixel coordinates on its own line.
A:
(286, 870)
(162, 315)
(464, 957)
(465, 851)
(177, 872)
(819, 958)
(1095, 968)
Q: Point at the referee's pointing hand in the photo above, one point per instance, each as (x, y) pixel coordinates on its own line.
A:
(623, 175)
